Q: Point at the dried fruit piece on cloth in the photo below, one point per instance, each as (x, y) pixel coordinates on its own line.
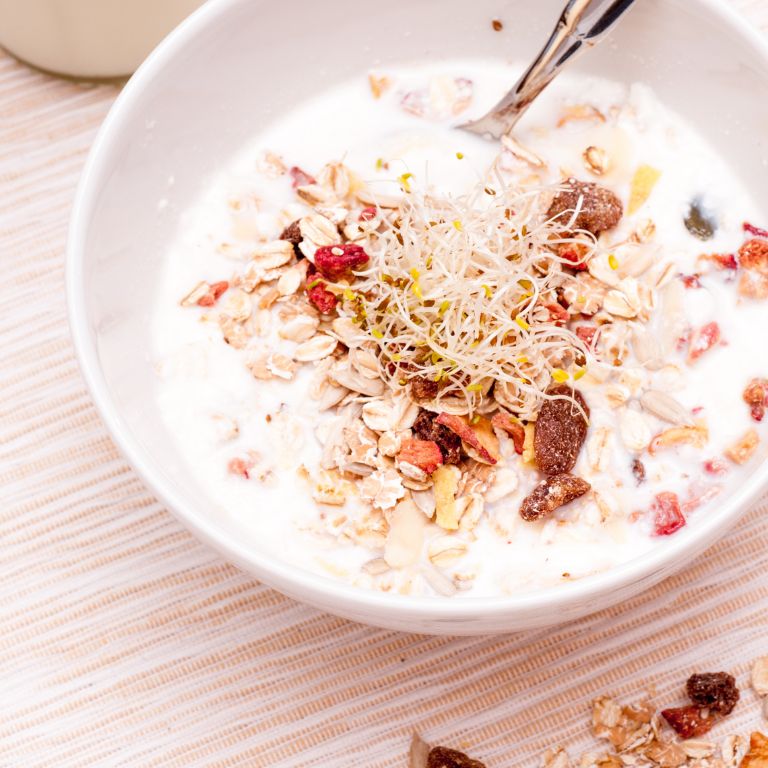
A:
(757, 757)
(560, 430)
(689, 721)
(598, 207)
(442, 757)
(716, 690)
(551, 494)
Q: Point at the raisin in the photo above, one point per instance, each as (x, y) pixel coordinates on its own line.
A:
(426, 428)
(599, 208)
(560, 430)
(338, 261)
(638, 470)
(424, 454)
(552, 493)
(292, 233)
(756, 397)
(698, 223)
(442, 757)
(716, 690)
(688, 722)
(423, 388)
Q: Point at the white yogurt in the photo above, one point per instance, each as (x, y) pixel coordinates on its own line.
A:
(203, 383)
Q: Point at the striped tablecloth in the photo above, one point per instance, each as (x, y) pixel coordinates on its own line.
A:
(125, 642)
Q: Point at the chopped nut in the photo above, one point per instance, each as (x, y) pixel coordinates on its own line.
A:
(551, 494)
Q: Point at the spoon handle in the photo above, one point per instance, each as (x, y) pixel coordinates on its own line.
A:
(582, 24)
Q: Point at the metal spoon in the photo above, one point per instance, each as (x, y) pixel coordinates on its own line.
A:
(582, 24)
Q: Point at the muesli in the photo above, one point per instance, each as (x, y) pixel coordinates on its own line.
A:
(492, 368)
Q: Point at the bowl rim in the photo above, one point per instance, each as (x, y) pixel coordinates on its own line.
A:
(316, 588)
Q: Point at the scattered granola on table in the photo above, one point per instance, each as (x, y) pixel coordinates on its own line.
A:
(412, 360)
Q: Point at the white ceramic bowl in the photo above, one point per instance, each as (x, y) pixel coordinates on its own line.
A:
(236, 64)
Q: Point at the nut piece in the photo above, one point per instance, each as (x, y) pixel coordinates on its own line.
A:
(442, 757)
(742, 450)
(552, 493)
(598, 208)
(560, 430)
(760, 676)
(716, 690)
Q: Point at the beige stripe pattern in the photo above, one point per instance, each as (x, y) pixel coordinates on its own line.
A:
(125, 642)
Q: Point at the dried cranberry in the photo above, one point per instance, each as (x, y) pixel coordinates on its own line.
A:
(368, 213)
(724, 260)
(715, 690)
(753, 230)
(688, 722)
(667, 515)
(586, 333)
(426, 428)
(321, 297)
(691, 281)
(338, 261)
(756, 397)
(300, 178)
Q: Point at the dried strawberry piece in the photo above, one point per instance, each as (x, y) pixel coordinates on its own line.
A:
(598, 207)
(638, 471)
(754, 255)
(574, 254)
(338, 261)
(704, 339)
(213, 295)
(424, 454)
(667, 515)
(368, 213)
(442, 757)
(715, 467)
(300, 178)
(753, 230)
(586, 333)
(688, 722)
(691, 281)
(321, 297)
(426, 428)
(551, 494)
(558, 313)
(756, 397)
(560, 430)
(715, 690)
(506, 423)
(723, 260)
(239, 467)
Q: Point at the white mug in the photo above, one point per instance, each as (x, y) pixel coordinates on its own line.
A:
(88, 38)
